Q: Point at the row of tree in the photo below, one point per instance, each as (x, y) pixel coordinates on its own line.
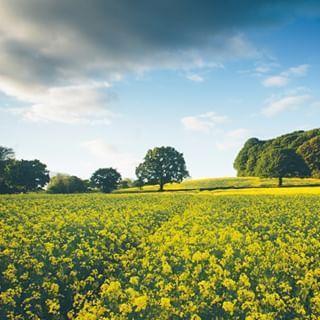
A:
(160, 166)
(295, 154)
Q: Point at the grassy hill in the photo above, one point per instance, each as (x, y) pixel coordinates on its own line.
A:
(226, 183)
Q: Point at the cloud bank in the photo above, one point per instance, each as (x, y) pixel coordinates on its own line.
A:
(62, 43)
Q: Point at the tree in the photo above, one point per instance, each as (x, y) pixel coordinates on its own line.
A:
(247, 158)
(106, 179)
(126, 183)
(162, 165)
(6, 156)
(138, 183)
(62, 183)
(310, 152)
(280, 163)
(25, 175)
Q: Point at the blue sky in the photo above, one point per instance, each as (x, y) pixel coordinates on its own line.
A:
(79, 96)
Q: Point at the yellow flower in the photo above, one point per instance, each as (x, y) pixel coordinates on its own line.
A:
(125, 308)
(134, 280)
(228, 306)
(165, 302)
(140, 302)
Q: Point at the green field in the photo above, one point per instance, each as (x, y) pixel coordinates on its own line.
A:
(224, 254)
(227, 183)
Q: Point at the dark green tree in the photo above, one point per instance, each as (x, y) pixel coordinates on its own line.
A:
(62, 183)
(6, 156)
(138, 183)
(310, 152)
(125, 183)
(25, 175)
(162, 165)
(106, 179)
(246, 160)
(280, 163)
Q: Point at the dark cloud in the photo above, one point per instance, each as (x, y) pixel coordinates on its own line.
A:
(46, 43)
(127, 35)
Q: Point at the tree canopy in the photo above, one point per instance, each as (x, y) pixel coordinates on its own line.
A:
(310, 152)
(304, 143)
(162, 165)
(6, 153)
(280, 163)
(6, 156)
(62, 183)
(26, 175)
(106, 179)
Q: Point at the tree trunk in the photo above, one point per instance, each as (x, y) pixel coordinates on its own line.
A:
(280, 182)
(161, 185)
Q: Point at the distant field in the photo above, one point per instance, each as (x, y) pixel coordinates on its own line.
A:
(222, 254)
(225, 183)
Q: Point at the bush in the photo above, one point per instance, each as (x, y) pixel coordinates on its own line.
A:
(66, 184)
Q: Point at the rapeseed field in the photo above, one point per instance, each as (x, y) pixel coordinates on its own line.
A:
(206, 255)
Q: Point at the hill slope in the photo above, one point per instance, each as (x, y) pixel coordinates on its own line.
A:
(226, 183)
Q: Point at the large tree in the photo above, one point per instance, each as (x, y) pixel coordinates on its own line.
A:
(25, 175)
(280, 163)
(162, 165)
(310, 152)
(300, 141)
(106, 179)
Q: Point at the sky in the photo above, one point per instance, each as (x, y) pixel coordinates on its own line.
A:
(91, 84)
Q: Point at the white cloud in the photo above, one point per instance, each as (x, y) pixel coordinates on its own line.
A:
(82, 104)
(275, 106)
(195, 78)
(275, 81)
(203, 122)
(301, 70)
(108, 155)
(233, 139)
(284, 77)
(262, 69)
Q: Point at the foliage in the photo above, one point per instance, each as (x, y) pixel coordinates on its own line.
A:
(280, 163)
(160, 256)
(62, 183)
(6, 156)
(247, 158)
(126, 183)
(162, 165)
(26, 175)
(106, 179)
(310, 151)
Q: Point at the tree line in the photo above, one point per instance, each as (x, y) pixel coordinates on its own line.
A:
(161, 165)
(296, 154)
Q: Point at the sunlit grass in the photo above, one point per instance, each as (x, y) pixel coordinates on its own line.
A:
(228, 182)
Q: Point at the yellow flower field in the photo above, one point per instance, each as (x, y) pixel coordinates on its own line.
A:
(208, 255)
